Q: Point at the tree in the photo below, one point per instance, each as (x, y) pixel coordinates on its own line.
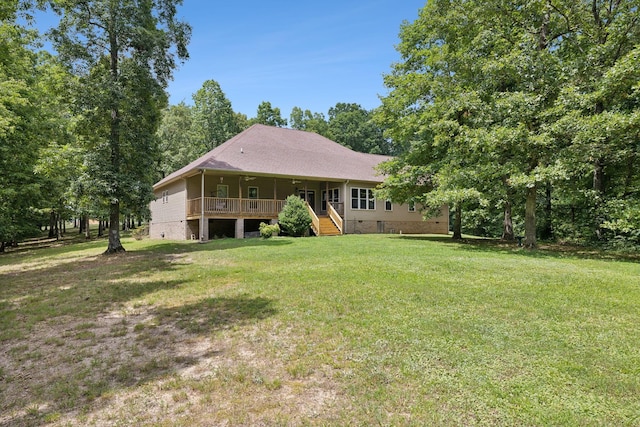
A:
(60, 160)
(308, 121)
(294, 217)
(475, 93)
(123, 52)
(23, 126)
(268, 115)
(178, 145)
(599, 105)
(214, 121)
(352, 126)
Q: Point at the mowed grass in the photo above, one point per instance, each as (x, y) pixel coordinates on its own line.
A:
(349, 330)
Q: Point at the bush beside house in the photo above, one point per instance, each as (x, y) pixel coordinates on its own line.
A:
(294, 217)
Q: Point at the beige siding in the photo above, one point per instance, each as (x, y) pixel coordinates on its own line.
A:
(398, 220)
(168, 213)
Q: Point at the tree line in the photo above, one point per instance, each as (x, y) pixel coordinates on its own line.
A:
(522, 116)
(186, 132)
(86, 131)
(77, 128)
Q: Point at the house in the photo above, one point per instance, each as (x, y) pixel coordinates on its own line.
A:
(245, 181)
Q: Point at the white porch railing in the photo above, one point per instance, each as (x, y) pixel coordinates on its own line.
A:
(219, 206)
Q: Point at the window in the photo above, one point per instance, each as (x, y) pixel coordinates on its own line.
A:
(253, 195)
(412, 206)
(334, 197)
(222, 191)
(253, 192)
(362, 198)
(388, 206)
(165, 196)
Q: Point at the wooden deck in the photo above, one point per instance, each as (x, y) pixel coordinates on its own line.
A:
(216, 207)
(229, 208)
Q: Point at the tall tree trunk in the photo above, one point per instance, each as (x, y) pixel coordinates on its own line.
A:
(114, 229)
(58, 227)
(547, 229)
(87, 229)
(598, 188)
(507, 223)
(52, 225)
(530, 218)
(457, 223)
(100, 228)
(2, 246)
(81, 224)
(114, 245)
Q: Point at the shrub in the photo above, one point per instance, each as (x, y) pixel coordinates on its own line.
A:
(294, 216)
(140, 232)
(267, 231)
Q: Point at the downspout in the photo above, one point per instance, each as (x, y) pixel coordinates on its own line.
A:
(202, 205)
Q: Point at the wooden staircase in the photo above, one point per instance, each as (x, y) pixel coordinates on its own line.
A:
(327, 227)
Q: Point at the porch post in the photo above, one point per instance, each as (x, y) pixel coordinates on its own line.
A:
(240, 192)
(275, 196)
(240, 228)
(202, 228)
(326, 196)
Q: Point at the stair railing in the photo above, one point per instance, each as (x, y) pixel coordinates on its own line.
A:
(315, 221)
(335, 217)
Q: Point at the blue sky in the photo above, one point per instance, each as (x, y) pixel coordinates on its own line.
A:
(308, 54)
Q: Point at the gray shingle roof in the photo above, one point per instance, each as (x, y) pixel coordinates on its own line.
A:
(266, 150)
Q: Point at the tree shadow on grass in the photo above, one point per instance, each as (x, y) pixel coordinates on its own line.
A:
(544, 249)
(71, 336)
(168, 246)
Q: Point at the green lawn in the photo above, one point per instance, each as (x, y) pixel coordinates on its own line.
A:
(350, 330)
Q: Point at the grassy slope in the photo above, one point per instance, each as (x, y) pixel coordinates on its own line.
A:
(352, 330)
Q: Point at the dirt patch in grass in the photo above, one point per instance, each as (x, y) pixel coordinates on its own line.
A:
(87, 350)
(140, 365)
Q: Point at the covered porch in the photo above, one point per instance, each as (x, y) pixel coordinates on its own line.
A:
(225, 207)
(214, 198)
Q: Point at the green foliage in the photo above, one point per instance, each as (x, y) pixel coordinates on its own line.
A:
(352, 126)
(267, 230)
(294, 217)
(32, 115)
(268, 115)
(308, 121)
(177, 143)
(521, 105)
(214, 121)
(123, 54)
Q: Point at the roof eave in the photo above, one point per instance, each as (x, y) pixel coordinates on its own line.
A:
(198, 171)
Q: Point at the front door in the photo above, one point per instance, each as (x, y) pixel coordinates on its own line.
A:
(309, 197)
